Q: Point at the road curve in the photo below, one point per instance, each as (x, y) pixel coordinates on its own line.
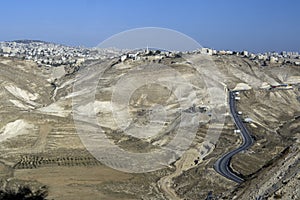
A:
(222, 164)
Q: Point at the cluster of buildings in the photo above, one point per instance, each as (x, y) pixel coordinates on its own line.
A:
(150, 55)
(269, 57)
(51, 54)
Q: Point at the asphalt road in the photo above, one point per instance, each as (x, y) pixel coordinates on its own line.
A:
(222, 164)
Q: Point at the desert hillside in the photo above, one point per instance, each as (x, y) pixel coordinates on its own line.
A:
(44, 107)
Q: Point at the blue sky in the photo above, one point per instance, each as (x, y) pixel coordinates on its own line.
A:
(256, 25)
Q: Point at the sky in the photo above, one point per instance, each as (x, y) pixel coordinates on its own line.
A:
(254, 25)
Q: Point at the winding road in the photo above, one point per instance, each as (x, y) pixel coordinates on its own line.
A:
(222, 164)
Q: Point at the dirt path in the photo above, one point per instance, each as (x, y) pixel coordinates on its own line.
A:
(184, 163)
(40, 144)
(165, 184)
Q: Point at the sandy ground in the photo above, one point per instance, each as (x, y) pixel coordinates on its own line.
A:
(73, 183)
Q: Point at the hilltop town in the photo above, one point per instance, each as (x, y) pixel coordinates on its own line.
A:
(51, 54)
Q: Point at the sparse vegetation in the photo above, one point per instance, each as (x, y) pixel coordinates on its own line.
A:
(23, 193)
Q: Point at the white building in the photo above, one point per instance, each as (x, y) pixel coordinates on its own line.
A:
(245, 53)
(237, 131)
(273, 59)
(248, 120)
(6, 50)
(123, 58)
(237, 98)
